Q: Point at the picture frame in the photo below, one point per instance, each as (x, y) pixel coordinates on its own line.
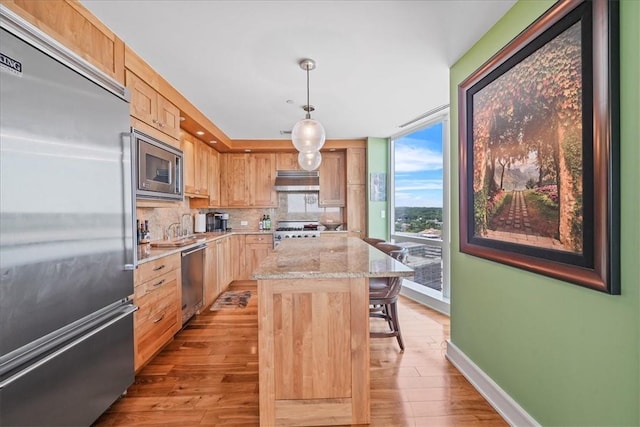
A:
(539, 149)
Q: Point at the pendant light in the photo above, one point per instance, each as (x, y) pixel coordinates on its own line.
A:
(308, 135)
(310, 161)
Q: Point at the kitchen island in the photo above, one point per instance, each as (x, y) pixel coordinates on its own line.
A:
(313, 339)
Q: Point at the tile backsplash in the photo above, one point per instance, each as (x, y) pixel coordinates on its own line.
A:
(291, 206)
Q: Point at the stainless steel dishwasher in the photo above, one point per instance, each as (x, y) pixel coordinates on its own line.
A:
(192, 281)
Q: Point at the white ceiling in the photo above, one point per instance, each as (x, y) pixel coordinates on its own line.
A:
(379, 63)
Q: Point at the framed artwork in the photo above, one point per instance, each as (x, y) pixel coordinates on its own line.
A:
(378, 186)
(539, 154)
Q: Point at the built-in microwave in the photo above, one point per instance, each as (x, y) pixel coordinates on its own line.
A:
(158, 168)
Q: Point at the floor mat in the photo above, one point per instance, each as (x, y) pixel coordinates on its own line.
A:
(231, 299)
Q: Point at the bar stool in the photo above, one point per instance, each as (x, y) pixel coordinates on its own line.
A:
(383, 296)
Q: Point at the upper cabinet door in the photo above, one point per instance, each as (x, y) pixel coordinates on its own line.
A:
(150, 107)
(332, 179)
(235, 186)
(70, 23)
(356, 166)
(168, 117)
(287, 162)
(143, 99)
(262, 177)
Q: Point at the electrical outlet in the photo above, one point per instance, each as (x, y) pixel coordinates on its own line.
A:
(383, 213)
(244, 223)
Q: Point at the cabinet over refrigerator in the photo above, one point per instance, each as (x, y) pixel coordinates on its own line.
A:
(66, 233)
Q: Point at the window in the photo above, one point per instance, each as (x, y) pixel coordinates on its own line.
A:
(419, 202)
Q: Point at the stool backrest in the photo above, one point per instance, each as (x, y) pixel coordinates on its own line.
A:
(395, 251)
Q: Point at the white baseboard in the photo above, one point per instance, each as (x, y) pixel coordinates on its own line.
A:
(508, 408)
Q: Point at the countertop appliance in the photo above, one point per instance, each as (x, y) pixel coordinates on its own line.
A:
(295, 230)
(217, 221)
(158, 168)
(200, 223)
(67, 225)
(297, 181)
(192, 281)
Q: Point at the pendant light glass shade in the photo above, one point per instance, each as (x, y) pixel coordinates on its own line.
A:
(308, 135)
(309, 161)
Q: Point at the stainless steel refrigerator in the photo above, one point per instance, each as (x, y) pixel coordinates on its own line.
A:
(66, 234)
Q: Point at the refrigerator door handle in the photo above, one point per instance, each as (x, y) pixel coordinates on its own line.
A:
(126, 312)
(129, 179)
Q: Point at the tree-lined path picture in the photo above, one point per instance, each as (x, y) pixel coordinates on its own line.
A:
(527, 149)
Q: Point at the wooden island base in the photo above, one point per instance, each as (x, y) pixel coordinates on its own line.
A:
(314, 351)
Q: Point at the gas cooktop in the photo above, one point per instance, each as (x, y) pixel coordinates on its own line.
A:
(295, 230)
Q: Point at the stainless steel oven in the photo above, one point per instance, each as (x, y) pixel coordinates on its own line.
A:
(158, 168)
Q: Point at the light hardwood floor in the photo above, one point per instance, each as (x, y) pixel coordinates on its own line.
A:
(208, 376)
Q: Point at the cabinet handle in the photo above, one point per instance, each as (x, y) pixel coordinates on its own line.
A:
(159, 319)
(154, 121)
(161, 125)
(159, 283)
(159, 268)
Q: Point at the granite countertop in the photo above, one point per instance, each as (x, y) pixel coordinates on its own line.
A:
(147, 253)
(329, 257)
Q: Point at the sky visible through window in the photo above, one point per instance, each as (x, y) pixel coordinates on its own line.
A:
(418, 168)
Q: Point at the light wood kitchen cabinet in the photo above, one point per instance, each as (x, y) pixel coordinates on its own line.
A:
(257, 248)
(356, 166)
(151, 107)
(237, 257)
(235, 191)
(357, 210)
(70, 23)
(287, 162)
(332, 180)
(195, 155)
(218, 269)
(225, 265)
(211, 286)
(213, 179)
(158, 295)
(262, 177)
(248, 180)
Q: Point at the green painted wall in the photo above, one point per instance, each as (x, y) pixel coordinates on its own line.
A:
(377, 161)
(566, 354)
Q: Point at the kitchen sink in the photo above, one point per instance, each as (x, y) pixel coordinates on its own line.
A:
(177, 243)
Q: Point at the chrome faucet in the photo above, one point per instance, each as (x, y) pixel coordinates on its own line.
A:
(167, 233)
(186, 230)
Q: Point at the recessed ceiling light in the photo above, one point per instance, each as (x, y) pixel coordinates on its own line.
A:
(332, 149)
(182, 119)
(247, 150)
(213, 141)
(200, 133)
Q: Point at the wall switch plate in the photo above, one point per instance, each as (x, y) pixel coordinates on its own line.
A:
(383, 213)
(244, 223)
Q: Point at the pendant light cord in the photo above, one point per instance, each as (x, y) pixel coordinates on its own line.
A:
(308, 105)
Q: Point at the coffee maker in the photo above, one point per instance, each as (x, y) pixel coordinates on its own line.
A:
(223, 221)
(211, 222)
(217, 221)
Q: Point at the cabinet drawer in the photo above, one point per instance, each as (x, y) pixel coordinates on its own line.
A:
(156, 320)
(156, 268)
(156, 284)
(155, 338)
(259, 238)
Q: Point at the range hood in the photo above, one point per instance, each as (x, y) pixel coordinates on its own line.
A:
(295, 180)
